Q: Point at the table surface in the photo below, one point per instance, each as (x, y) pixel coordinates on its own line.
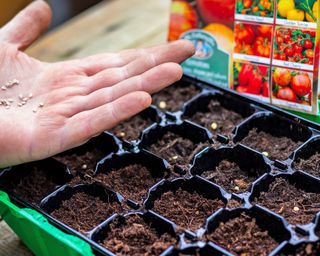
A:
(110, 26)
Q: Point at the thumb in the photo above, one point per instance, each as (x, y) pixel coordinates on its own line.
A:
(27, 25)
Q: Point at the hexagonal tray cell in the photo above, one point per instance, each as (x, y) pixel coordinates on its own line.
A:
(84, 159)
(186, 202)
(34, 181)
(136, 234)
(176, 143)
(131, 129)
(307, 158)
(300, 249)
(175, 96)
(230, 168)
(132, 174)
(83, 206)
(295, 197)
(247, 231)
(276, 136)
(218, 113)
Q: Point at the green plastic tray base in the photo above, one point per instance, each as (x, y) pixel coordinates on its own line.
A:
(38, 234)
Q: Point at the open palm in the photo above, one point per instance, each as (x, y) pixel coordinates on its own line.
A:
(47, 108)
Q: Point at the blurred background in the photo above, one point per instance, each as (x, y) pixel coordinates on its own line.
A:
(85, 27)
(62, 9)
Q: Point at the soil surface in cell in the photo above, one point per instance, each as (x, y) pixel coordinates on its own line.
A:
(35, 186)
(135, 237)
(310, 165)
(83, 212)
(243, 236)
(305, 250)
(84, 162)
(275, 147)
(130, 130)
(173, 97)
(234, 204)
(295, 205)
(188, 210)
(231, 177)
(176, 149)
(217, 119)
(132, 181)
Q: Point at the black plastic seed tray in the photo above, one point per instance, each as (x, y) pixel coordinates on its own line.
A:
(216, 174)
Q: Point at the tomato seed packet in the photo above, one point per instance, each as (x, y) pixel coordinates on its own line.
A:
(265, 49)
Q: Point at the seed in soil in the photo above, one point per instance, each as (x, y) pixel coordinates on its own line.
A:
(217, 118)
(83, 211)
(76, 161)
(187, 210)
(176, 149)
(243, 236)
(132, 181)
(295, 205)
(162, 105)
(133, 236)
(173, 97)
(131, 129)
(277, 147)
(35, 186)
(231, 177)
(311, 165)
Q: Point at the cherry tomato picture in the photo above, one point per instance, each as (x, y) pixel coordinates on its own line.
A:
(294, 45)
(262, 8)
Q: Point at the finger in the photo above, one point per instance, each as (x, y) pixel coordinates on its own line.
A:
(85, 125)
(27, 25)
(151, 81)
(176, 52)
(97, 63)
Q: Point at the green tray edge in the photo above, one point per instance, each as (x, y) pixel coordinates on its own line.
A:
(38, 234)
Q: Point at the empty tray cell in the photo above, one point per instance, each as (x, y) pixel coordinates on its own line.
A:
(296, 197)
(219, 114)
(175, 96)
(247, 232)
(177, 144)
(84, 159)
(131, 129)
(136, 234)
(34, 181)
(132, 174)
(272, 135)
(307, 158)
(186, 202)
(82, 207)
(230, 168)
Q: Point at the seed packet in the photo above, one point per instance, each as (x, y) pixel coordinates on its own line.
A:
(265, 49)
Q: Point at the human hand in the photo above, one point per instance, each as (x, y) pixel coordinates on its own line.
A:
(47, 108)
